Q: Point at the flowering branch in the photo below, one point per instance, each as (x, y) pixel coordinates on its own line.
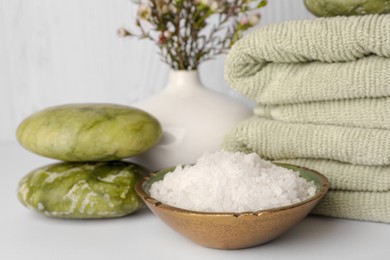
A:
(189, 32)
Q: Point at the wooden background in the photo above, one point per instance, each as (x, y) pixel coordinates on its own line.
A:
(64, 51)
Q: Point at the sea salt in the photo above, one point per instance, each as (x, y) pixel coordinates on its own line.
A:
(231, 182)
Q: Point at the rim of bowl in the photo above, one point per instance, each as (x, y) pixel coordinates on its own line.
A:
(145, 196)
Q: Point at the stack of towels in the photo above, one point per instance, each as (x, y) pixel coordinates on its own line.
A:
(322, 89)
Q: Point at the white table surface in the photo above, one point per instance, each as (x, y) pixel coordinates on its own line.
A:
(27, 235)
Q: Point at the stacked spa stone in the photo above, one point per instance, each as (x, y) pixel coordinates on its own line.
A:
(91, 139)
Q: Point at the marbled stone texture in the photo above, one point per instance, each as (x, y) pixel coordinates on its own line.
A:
(82, 190)
(89, 132)
(327, 8)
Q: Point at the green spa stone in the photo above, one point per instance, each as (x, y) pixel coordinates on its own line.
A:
(328, 8)
(82, 190)
(89, 132)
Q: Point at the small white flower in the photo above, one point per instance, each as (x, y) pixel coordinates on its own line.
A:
(165, 9)
(254, 19)
(122, 32)
(244, 20)
(214, 6)
(207, 2)
(144, 12)
(167, 34)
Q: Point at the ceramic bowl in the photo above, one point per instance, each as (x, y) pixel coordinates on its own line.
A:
(233, 230)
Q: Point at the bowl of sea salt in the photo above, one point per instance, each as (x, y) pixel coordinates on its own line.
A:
(232, 200)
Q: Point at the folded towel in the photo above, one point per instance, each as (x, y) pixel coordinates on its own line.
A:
(313, 60)
(360, 192)
(356, 192)
(367, 112)
(277, 141)
(368, 206)
(323, 93)
(349, 177)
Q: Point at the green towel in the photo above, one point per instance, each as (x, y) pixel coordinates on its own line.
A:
(313, 60)
(360, 192)
(356, 192)
(349, 177)
(323, 93)
(365, 112)
(367, 206)
(278, 140)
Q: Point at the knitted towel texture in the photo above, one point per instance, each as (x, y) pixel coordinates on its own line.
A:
(363, 112)
(322, 89)
(277, 141)
(349, 177)
(313, 60)
(357, 192)
(369, 206)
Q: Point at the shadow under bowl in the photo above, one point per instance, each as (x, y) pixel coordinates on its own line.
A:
(225, 230)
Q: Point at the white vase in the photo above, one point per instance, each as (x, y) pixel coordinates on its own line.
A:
(194, 120)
